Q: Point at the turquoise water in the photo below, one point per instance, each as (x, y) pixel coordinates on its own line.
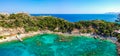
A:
(57, 45)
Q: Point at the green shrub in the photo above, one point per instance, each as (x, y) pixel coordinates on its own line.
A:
(1, 37)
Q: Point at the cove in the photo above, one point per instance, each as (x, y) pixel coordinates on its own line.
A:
(58, 45)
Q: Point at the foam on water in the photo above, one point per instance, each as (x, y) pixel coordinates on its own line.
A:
(50, 45)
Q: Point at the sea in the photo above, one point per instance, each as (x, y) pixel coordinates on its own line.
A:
(80, 17)
(58, 45)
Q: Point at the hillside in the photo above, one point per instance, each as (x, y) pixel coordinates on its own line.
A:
(23, 23)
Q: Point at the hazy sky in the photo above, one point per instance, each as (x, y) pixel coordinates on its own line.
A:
(60, 6)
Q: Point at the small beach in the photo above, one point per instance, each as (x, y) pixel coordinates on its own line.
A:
(19, 37)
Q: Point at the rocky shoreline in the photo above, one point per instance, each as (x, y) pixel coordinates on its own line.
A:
(118, 48)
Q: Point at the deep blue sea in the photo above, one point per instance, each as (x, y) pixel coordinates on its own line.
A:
(79, 17)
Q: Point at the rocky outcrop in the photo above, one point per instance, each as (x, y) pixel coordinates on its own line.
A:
(9, 31)
(118, 48)
(75, 31)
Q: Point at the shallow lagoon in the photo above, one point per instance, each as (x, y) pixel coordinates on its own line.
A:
(58, 45)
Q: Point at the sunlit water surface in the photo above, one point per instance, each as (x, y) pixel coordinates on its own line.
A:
(55, 45)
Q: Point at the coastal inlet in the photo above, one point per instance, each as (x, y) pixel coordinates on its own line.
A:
(58, 45)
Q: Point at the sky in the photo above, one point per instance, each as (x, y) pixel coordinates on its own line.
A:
(60, 6)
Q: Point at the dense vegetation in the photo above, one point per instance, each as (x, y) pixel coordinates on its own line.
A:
(35, 23)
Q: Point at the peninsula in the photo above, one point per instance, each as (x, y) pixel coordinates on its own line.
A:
(20, 25)
(23, 23)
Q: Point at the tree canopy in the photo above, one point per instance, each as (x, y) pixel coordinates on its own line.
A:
(35, 23)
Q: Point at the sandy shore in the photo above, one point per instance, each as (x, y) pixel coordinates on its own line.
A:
(14, 36)
(20, 36)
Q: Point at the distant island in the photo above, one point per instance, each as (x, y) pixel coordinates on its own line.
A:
(112, 13)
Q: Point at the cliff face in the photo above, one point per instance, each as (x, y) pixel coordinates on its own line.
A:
(9, 31)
